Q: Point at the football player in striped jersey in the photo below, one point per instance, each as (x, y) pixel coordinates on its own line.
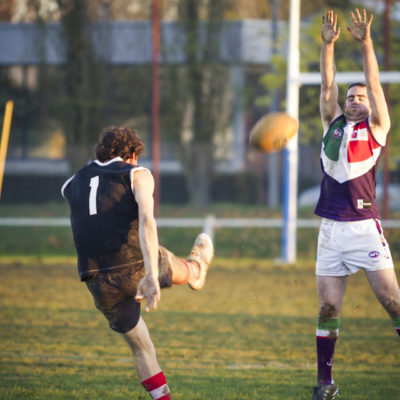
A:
(350, 236)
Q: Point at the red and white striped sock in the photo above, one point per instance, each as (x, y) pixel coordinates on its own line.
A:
(193, 269)
(157, 387)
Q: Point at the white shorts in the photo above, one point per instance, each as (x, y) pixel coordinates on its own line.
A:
(346, 247)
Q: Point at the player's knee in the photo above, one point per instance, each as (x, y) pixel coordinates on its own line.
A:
(327, 311)
(392, 305)
(164, 268)
(165, 279)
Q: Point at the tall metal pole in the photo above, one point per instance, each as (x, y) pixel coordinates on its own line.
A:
(155, 103)
(273, 158)
(386, 156)
(289, 234)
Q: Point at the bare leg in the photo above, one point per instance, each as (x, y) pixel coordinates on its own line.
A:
(194, 269)
(181, 270)
(143, 350)
(386, 289)
(330, 293)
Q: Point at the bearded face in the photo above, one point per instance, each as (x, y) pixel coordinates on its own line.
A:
(357, 106)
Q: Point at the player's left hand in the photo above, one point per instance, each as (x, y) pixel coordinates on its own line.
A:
(361, 28)
(149, 289)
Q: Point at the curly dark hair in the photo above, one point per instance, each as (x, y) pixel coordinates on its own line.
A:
(120, 142)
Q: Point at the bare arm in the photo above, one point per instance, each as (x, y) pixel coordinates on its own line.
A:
(379, 118)
(148, 287)
(329, 106)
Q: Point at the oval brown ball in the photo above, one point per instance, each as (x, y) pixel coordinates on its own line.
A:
(272, 132)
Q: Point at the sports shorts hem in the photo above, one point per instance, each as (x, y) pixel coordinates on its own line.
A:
(319, 273)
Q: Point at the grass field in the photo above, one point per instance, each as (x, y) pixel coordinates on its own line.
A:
(250, 334)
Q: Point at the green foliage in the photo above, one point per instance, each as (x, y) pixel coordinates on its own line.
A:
(200, 96)
(70, 98)
(249, 334)
(274, 82)
(84, 77)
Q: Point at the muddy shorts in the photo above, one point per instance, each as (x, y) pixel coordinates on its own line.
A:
(114, 292)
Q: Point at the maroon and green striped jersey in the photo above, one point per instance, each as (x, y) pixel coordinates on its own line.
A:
(349, 161)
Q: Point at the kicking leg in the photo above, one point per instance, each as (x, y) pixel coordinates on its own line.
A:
(194, 269)
(181, 270)
(386, 288)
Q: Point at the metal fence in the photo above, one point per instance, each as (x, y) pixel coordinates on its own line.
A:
(208, 224)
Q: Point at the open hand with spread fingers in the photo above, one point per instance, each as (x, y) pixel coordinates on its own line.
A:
(329, 31)
(361, 28)
(149, 289)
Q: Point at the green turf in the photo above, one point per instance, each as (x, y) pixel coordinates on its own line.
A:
(250, 334)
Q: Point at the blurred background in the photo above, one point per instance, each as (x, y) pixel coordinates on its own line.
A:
(192, 76)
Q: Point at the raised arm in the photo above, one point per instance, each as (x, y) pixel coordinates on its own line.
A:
(149, 287)
(379, 118)
(329, 106)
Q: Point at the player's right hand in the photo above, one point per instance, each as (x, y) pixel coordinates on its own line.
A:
(149, 289)
(329, 31)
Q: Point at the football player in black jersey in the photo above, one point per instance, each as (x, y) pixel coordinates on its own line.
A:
(119, 257)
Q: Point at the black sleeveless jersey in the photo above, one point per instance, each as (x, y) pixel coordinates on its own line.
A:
(104, 217)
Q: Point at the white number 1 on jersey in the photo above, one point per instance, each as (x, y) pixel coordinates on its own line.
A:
(94, 184)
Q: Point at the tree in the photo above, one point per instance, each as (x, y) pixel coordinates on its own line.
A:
(203, 95)
(84, 81)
